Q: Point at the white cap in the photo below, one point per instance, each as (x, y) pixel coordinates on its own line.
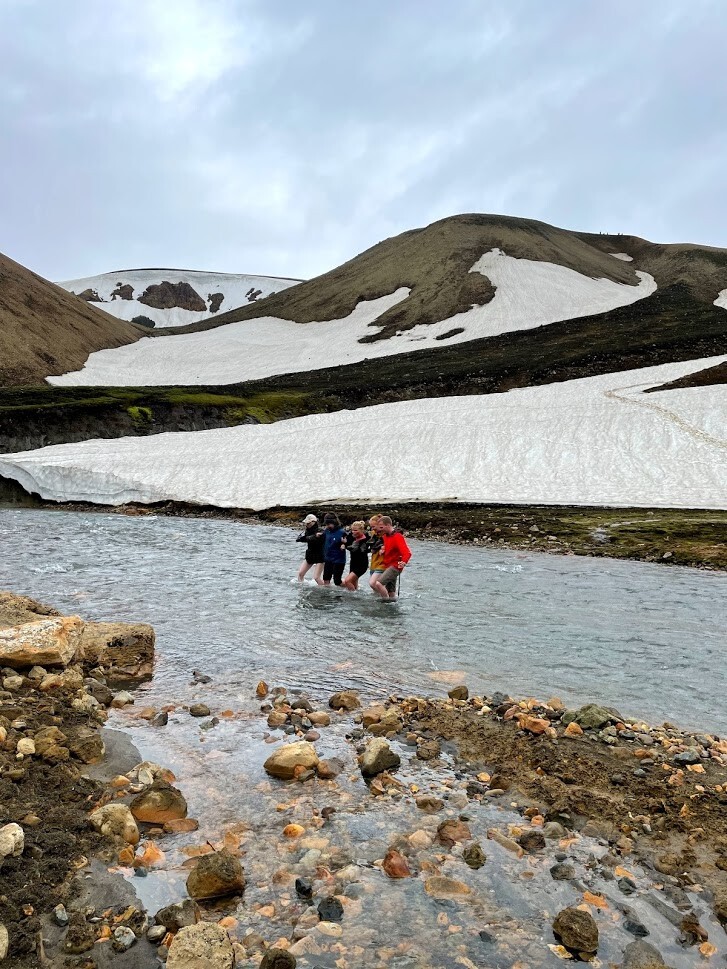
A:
(309, 519)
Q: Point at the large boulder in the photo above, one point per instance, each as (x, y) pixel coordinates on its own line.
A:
(577, 930)
(124, 649)
(215, 876)
(115, 821)
(291, 760)
(201, 946)
(159, 803)
(46, 642)
(377, 757)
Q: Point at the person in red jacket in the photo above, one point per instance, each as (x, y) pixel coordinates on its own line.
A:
(396, 554)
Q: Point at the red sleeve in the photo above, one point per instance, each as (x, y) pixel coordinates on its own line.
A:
(403, 548)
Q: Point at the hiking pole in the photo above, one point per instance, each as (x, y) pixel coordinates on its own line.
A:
(398, 587)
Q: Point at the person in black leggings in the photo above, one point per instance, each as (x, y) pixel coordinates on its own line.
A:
(313, 539)
(356, 542)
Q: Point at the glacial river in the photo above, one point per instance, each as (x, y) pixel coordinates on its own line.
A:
(647, 639)
(644, 638)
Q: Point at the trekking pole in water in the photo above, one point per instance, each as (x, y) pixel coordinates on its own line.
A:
(398, 587)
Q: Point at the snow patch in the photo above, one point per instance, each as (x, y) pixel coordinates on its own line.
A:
(722, 299)
(624, 256)
(528, 294)
(596, 440)
(236, 289)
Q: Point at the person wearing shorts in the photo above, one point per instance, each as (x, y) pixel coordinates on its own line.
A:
(313, 539)
(357, 544)
(334, 550)
(376, 548)
(396, 555)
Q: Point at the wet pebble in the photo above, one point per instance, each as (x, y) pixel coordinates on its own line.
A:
(60, 915)
(304, 888)
(199, 710)
(123, 939)
(156, 933)
(563, 872)
(330, 909)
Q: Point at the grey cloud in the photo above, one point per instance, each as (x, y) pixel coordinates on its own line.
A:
(284, 138)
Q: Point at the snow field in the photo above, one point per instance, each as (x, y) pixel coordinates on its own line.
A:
(528, 294)
(593, 441)
(233, 286)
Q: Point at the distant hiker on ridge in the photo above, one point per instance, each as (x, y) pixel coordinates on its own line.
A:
(396, 554)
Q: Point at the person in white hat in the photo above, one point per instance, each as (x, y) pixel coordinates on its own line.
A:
(313, 538)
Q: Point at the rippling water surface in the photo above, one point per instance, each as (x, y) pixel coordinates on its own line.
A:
(646, 638)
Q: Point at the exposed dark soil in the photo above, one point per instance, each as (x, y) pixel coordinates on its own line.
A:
(701, 378)
(45, 330)
(579, 779)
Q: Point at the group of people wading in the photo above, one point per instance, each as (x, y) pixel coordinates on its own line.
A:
(326, 548)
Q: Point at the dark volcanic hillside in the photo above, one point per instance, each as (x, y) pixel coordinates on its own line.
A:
(46, 331)
(434, 262)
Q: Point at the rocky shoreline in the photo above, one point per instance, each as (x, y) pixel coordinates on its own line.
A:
(626, 822)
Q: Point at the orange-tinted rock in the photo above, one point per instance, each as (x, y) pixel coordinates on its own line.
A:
(159, 803)
(395, 864)
(573, 730)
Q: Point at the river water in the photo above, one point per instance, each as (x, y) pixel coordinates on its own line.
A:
(647, 639)
(644, 638)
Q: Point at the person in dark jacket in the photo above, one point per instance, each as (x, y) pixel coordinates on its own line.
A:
(356, 541)
(334, 550)
(312, 536)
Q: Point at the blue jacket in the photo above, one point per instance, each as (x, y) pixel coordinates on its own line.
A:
(332, 551)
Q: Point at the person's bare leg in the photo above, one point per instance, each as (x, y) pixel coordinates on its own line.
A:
(380, 589)
(318, 573)
(373, 580)
(305, 566)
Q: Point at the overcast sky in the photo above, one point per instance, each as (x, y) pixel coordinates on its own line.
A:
(283, 137)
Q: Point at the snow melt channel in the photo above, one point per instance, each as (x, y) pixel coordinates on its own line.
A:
(594, 441)
(528, 294)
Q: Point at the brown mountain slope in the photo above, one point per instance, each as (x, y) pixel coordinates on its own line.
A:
(434, 262)
(46, 331)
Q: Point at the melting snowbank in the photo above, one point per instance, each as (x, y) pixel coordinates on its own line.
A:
(722, 299)
(528, 294)
(236, 289)
(597, 440)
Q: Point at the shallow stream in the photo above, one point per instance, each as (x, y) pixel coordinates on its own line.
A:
(646, 639)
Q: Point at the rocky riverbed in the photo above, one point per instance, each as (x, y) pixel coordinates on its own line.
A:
(409, 832)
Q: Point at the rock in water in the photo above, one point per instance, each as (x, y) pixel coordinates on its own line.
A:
(199, 710)
(159, 803)
(377, 757)
(641, 955)
(531, 840)
(116, 821)
(175, 917)
(330, 909)
(289, 761)
(577, 930)
(450, 832)
(395, 864)
(345, 700)
(215, 876)
(474, 856)
(48, 642)
(439, 886)
(278, 959)
(202, 946)
(459, 693)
